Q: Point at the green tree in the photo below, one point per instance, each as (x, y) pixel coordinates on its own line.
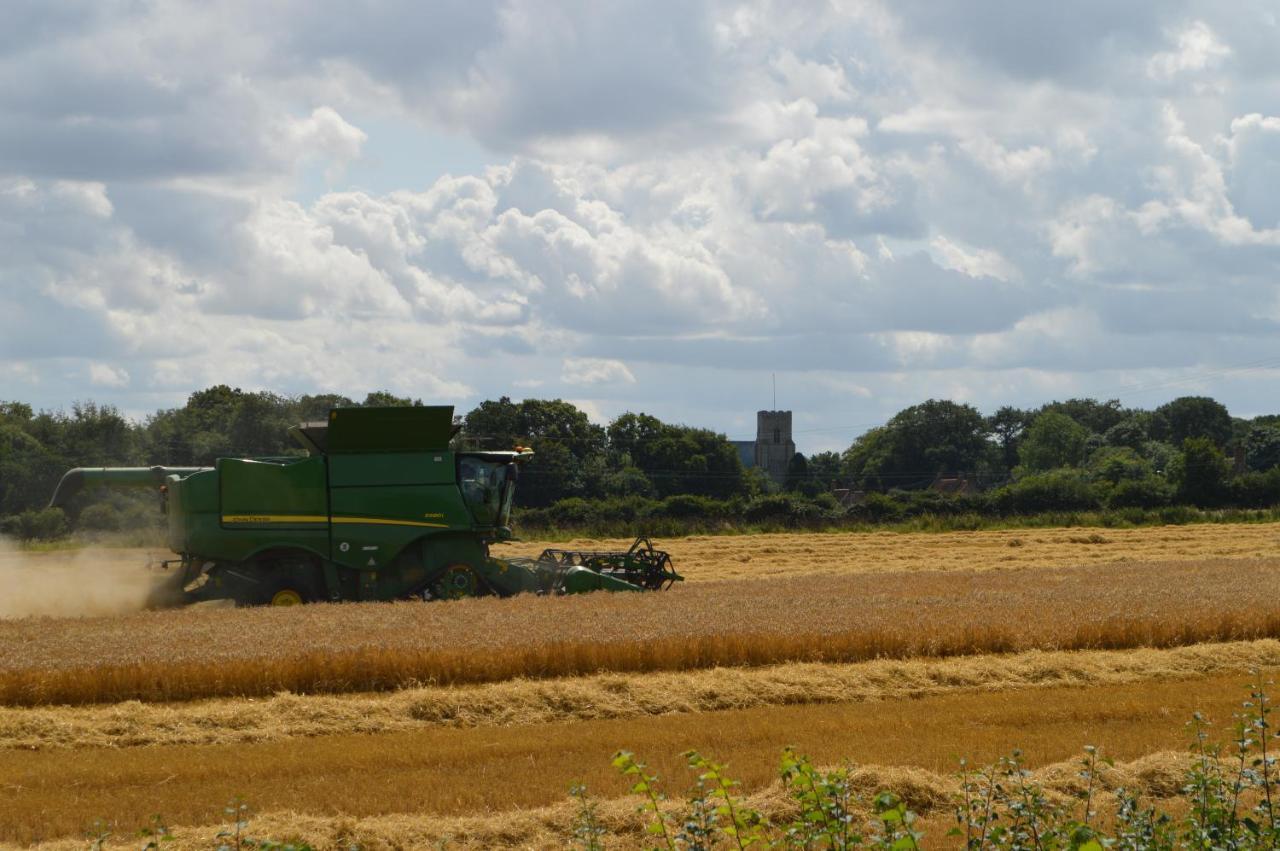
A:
(384, 399)
(1262, 448)
(1096, 416)
(567, 445)
(260, 425)
(1053, 440)
(1189, 417)
(1200, 472)
(797, 477)
(824, 468)
(1133, 431)
(933, 437)
(1009, 424)
(678, 459)
(1115, 464)
(316, 408)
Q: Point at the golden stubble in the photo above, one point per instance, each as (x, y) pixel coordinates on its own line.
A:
(606, 696)
(444, 773)
(927, 792)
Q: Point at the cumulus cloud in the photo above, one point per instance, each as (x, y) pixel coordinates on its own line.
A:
(106, 375)
(596, 371)
(1196, 48)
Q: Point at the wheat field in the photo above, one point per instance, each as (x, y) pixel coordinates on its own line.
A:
(186, 654)
(400, 725)
(714, 557)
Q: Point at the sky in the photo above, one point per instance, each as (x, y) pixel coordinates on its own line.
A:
(650, 206)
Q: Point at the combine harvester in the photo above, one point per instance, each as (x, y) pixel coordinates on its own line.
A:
(380, 508)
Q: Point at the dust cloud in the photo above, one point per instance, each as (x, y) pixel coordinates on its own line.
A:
(94, 581)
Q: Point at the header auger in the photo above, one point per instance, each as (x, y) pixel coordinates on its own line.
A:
(380, 508)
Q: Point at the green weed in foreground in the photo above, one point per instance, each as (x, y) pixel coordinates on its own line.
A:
(1233, 798)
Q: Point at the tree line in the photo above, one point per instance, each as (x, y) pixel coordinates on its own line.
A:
(1078, 454)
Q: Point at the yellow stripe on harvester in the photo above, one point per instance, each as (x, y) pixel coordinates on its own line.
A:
(263, 519)
(382, 521)
(274, 518)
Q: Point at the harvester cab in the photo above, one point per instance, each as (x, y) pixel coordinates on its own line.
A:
(488, 484)
(381, 507)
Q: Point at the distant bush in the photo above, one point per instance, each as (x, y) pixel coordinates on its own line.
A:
(690, 507)
(574, 511)
(1058, 498)
(938, 504)
(44, 524)
(1057, 490)
(101, 516)
(784, 508)
(1151, 492)
(879, 508)
(1255, 490)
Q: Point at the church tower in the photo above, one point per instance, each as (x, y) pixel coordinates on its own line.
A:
(774, 446)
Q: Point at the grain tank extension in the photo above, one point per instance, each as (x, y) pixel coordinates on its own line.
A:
(380, 508)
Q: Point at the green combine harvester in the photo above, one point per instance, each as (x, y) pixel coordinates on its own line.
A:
(380, 508)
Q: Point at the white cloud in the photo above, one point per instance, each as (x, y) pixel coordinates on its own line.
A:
(975, 263)
(1197, 48)
(596, 371)
(106, 375)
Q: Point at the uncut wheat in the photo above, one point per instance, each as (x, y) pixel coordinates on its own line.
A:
(187, 654)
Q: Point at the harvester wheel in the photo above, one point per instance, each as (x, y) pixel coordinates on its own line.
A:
(286, 597)
(283, 587)
(457, 581)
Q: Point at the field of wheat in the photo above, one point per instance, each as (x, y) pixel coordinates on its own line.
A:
(401, 725)
(182, 655)
(714, 557)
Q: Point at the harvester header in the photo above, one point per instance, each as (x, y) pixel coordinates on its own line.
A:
(382, 507)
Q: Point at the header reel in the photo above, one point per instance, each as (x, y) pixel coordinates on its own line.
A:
(642, 565)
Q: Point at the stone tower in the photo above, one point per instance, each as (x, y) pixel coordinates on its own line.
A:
(774, 446)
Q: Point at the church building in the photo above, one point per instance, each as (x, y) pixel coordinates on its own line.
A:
(773, 447)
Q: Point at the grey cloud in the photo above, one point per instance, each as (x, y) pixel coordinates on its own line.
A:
(816, 350)
(1191, 311)
(1063, 41)
(197, 226)
(918, 295)
(27, 24)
